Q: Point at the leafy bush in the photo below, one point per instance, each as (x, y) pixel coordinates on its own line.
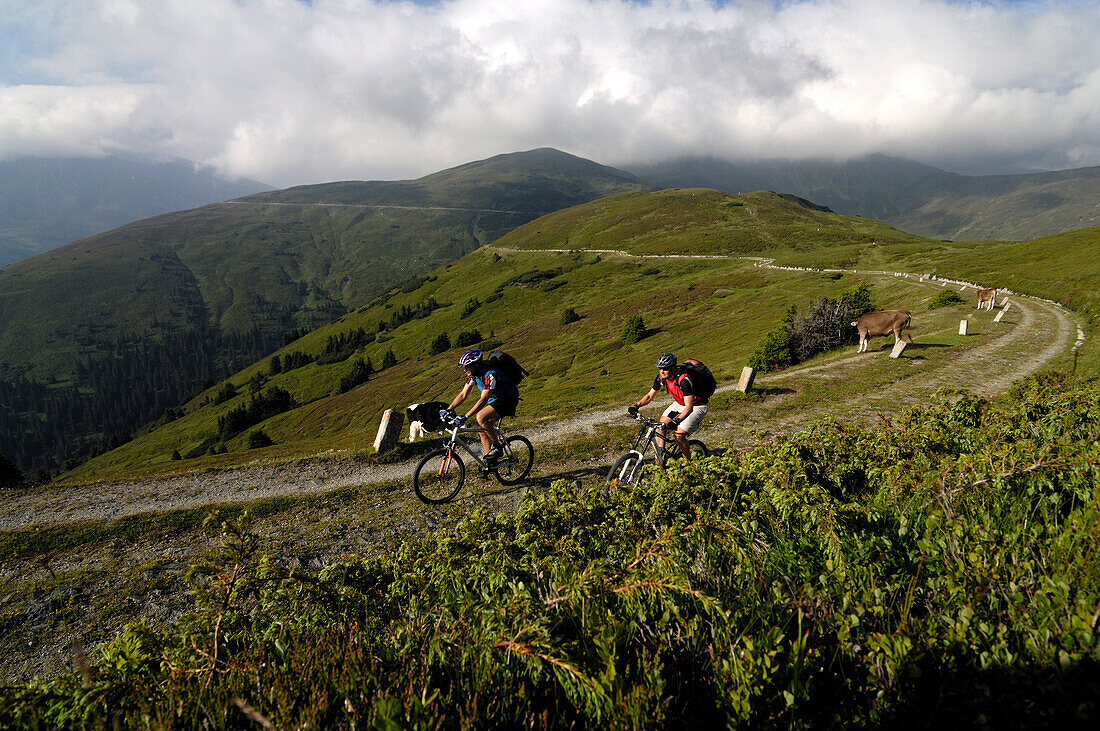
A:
(226, 392)
(389, 360)
(633, 329)
(774, 352)
(806, 583)
(262, 406)
(359, 373)
(945, 298)
(344, 345)
(258, 439)
(468, 337)
(825, 326)
(296, 359)
(569, 317)
(442, 343)
(470, 308)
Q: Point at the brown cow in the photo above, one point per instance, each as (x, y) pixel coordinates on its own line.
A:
(987, 297)
(882, 323)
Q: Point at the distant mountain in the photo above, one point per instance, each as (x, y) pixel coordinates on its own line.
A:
(47, 202)
(909, 195)
(101, 335)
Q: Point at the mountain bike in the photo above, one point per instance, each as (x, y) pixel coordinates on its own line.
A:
(628, 468)
(440, 473)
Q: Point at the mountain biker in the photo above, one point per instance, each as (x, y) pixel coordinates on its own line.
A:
(499, 398)
(687, 412)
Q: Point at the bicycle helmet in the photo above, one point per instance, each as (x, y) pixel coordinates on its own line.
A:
(667, 360)
(470, 357)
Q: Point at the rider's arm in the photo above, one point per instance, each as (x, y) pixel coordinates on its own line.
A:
(689, 404)
(461, 396)
(644, 400)
(480, 402)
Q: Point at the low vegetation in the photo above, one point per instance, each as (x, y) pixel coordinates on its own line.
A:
(826, 325)
(937, 570)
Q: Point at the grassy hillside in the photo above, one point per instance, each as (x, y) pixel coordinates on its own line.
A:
(225, 282)
(911, 196)
(1064, 268)
(716, 309)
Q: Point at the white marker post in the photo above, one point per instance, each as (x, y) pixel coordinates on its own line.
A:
(898, 347)
(999, 316)
(389, 431)
(963, 325)
(747, 377)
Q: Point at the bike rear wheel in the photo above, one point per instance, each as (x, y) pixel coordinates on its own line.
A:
(627, 469)
(516, 461)
(439, 476)
(696, 449)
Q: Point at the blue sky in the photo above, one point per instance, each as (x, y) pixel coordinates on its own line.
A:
(292, 92)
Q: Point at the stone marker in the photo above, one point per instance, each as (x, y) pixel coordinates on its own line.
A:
(898, 347)
(747, 377)
(963, 324)
(999, 316)
(1005, 306)
(389, 430)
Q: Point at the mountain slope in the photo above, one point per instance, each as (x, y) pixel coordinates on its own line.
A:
(911, 196)
(47, 202)
(226, 282)
(514, 292)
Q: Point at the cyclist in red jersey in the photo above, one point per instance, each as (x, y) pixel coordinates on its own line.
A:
(688, 409)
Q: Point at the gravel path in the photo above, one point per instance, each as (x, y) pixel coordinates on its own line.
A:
(1035, 332)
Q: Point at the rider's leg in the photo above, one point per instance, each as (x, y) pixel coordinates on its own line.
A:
(487, 419)
(666, 418)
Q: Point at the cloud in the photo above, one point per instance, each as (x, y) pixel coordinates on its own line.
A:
(291, 92)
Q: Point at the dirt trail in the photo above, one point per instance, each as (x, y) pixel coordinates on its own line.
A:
(1032, 333)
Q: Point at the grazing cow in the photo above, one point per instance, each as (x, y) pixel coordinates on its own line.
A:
(882, 323)
(424, 419)
(987, 297)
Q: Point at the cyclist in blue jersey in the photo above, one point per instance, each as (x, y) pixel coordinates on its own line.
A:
(499, 397)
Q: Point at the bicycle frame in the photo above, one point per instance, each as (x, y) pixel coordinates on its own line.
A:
(456, 442)
(647, 436)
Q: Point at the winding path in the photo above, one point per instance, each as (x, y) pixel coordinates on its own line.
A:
(1037, 332)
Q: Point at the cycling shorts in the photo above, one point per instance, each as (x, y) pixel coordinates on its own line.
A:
(693, 420)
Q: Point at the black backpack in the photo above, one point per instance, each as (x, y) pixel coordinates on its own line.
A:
(701, 378)
(505, 363)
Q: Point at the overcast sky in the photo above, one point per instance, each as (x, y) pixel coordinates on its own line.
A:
(290, 92)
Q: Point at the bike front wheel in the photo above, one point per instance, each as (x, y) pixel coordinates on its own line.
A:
(627, 469)
(516, 460)
(439, 476)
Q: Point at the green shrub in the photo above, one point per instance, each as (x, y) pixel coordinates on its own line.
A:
(442, 343)
(468, 337)
(804, 583)
(226, 392)
(359, 373)
(569, 317)
(774, 352)
(945, 298)
(389, 360)
(633, 329)
(258, 439)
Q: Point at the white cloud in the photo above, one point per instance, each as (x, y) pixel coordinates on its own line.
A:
(290, 92)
